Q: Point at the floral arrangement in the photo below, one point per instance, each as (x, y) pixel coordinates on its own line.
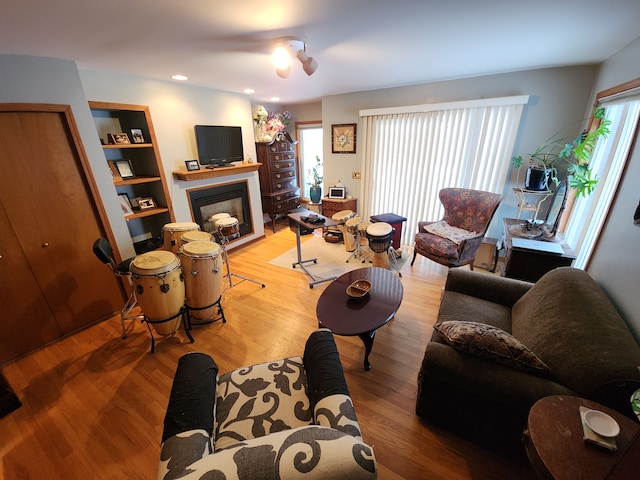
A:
(260, 115)
(277, 122)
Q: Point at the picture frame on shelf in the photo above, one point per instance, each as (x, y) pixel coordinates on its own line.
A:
(192, 165)
(146, 203)
(125, 204)
(134, 203)
(125, 170)
(118, 138)
(115, 174)
(343, 138)
(136, 135)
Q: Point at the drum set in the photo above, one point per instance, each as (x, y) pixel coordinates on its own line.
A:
(378, 234)
(184, 280)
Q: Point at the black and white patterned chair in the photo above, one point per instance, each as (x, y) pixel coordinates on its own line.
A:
(276, 420)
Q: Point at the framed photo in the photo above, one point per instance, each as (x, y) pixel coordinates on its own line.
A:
(146, 202)
(337, 192)
(124, 168)
(136, 135)
(125, 204)
(134, 203)
(192, 165)
(343, 138)
(118, 138)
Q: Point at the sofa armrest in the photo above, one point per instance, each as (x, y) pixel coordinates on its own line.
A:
(325, 376)
(312, 451)
(192, 398)
(504, 291)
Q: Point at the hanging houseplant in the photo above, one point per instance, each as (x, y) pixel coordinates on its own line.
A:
(573, 153)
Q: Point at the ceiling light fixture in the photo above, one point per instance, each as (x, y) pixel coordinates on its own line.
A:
(181, 78)
(288, 47)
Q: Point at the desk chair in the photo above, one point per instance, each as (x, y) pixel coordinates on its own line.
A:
(104, 252)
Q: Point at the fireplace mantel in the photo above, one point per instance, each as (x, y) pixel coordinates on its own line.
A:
(190, 176)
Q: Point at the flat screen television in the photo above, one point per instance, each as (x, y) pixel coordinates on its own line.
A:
(219, 145)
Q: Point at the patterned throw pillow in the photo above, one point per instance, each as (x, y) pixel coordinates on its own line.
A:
(491, 343)
(444, 230)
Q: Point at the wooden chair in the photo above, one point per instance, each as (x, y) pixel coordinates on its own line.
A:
(454, 241)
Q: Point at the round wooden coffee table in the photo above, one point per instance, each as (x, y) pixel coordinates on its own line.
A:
(349, 317)
(554, 440)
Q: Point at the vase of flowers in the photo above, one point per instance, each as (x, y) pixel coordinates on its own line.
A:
(260, 117)
(315, 184)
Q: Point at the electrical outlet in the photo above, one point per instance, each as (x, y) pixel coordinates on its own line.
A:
(355, 175)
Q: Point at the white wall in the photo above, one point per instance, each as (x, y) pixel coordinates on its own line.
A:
(615, 264)
(557, 97)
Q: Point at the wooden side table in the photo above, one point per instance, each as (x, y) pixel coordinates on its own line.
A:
(555, 446)
(530, 264)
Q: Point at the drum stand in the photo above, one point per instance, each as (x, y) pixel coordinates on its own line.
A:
(185, 323)
(223, 242)
(207, 321)
(360, 253)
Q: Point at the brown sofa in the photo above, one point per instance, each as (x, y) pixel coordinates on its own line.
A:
(565, 338)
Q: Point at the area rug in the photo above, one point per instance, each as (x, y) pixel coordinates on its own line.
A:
(332, 258)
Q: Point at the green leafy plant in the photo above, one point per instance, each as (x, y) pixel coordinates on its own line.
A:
(572, 152)
(315, 173)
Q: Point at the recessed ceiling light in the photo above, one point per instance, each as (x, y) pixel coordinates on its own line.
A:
(275, 99)
(180, 77)
(249, 91)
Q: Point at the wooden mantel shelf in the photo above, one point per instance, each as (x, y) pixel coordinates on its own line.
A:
(190, 176)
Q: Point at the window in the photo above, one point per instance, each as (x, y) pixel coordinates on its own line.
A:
(309, 147)
(411, 153)
(609, 158)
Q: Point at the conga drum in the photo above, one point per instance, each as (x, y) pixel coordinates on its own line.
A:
(380, 235)
(228, 228)
(159, 289)
(172, 232)
(195, 236)
(202, 270)
(350, 238)
(342, 216)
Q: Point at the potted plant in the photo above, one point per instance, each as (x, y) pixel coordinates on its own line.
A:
(315, 184)
(571, 152)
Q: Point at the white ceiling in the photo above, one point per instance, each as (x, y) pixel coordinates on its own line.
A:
(358, 44)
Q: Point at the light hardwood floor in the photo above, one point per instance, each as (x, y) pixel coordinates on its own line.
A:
(94, 404)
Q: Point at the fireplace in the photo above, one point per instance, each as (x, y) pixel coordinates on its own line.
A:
(231, 198)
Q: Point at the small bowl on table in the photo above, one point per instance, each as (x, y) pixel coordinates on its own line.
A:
(359, 289)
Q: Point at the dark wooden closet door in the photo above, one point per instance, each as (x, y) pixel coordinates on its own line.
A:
(52, 213)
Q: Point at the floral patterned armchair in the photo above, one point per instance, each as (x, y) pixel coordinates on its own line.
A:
(274, 420)
(455, 240)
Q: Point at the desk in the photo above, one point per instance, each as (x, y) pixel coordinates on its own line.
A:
(554, 444)
(296, 217)
(530, 265)
(362, 317)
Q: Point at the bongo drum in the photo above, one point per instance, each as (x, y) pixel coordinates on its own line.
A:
(214, 218)
(172, 232)
(351, 235)
(228, 227)
(362, 230)
(195, 236)
(159, 289)
(202, 269)
(342, 216)
(380, 235)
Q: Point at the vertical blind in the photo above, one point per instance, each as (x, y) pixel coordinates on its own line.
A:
(410, 153)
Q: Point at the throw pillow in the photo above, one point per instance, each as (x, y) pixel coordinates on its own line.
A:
(444, 230)
(491, 343)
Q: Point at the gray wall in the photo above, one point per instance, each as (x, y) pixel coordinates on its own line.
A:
(558, 97)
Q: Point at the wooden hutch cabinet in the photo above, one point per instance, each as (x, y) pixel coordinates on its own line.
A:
(278, 176)
(331, 206)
